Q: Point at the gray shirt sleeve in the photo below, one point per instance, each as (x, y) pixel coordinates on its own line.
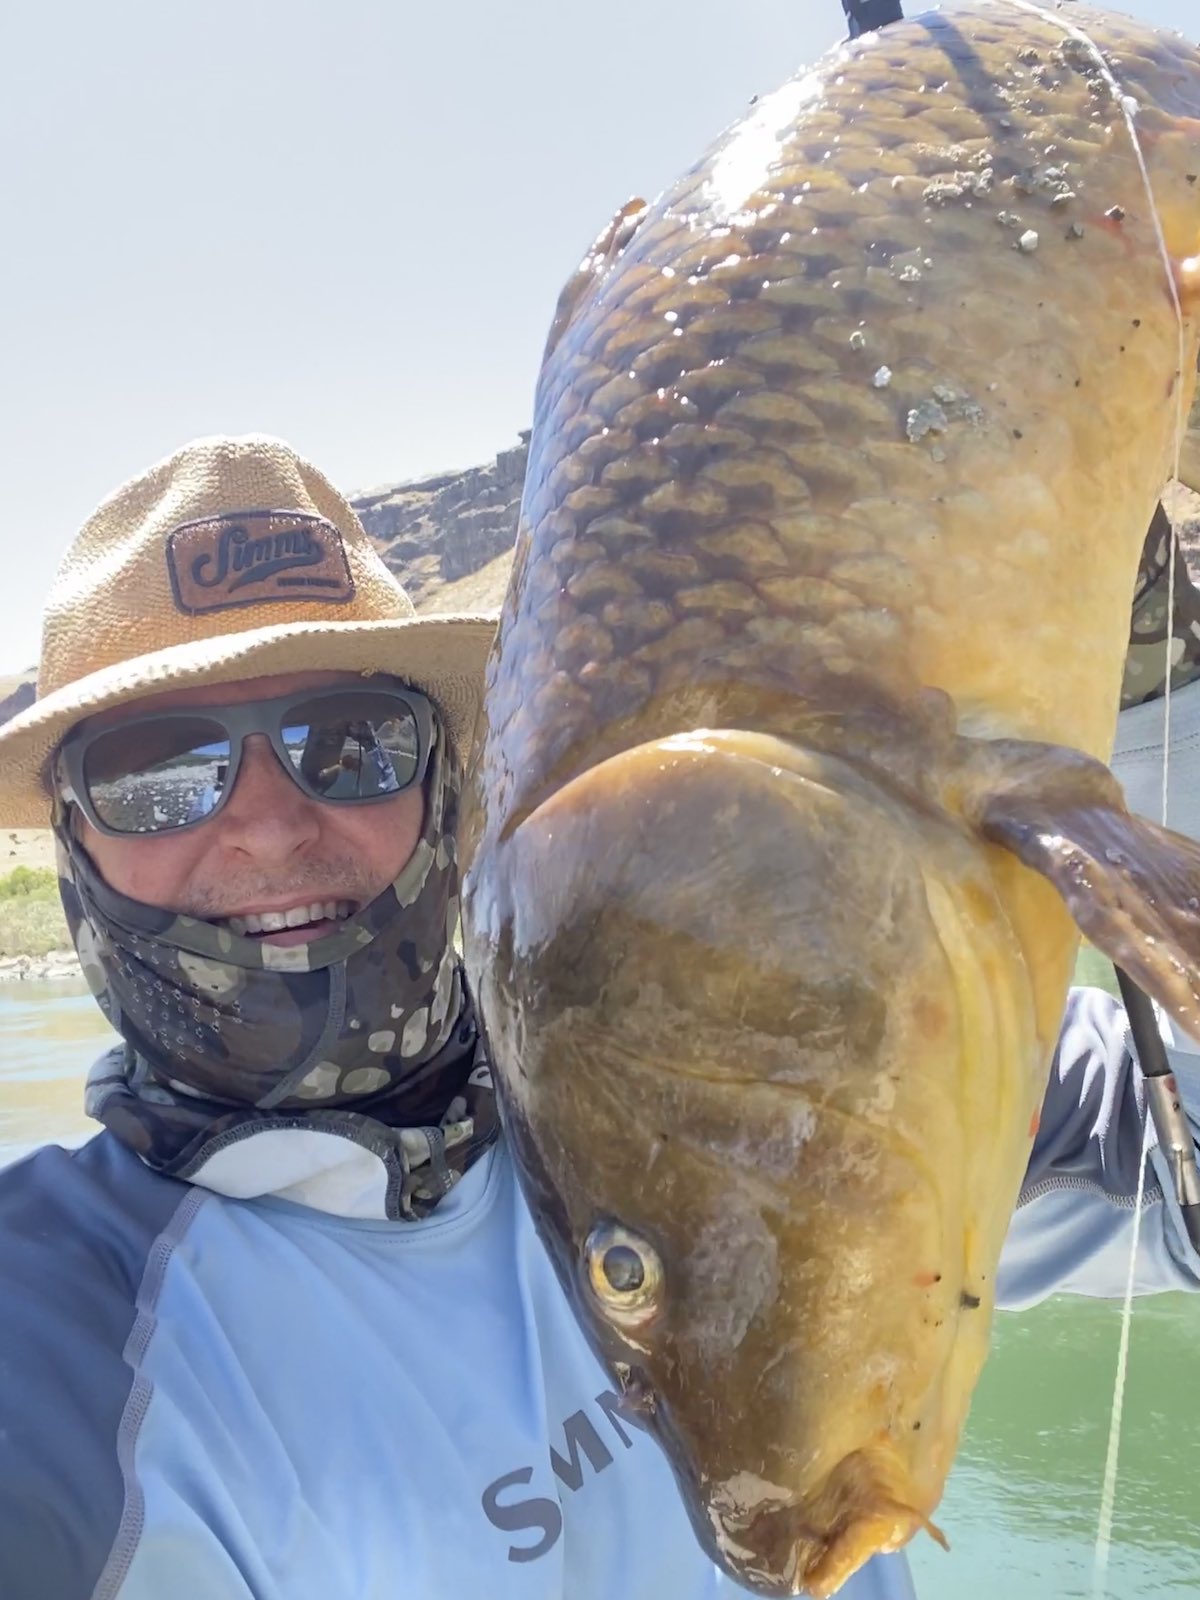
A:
(1073, 1229)
(76, 1231)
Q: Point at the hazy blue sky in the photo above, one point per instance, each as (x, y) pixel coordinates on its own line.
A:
(341, 221)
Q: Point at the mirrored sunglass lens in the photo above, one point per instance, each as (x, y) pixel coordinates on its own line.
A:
(150, 776)
(353, 747)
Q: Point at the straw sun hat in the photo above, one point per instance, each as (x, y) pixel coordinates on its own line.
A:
(234, 558)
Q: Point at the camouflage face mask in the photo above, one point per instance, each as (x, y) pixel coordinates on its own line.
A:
(367, 1033)
(1156, 633)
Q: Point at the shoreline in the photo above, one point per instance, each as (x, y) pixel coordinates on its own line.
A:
(48, 968)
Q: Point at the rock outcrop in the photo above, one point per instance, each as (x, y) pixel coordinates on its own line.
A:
(20, 697)
(435, 531)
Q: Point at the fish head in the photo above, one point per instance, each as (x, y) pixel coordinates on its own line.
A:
(726, 1027)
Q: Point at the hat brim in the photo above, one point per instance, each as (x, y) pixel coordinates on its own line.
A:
(443, 656)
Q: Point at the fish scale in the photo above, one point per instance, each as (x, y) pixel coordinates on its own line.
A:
(727, 374)
(787, 803)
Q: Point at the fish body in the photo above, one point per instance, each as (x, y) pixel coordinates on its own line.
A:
(787, 804)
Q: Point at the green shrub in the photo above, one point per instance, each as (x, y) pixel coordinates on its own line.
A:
(29, 883)
(31, 927)
(31, 914)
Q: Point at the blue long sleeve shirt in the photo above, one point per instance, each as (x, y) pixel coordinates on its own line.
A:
(254, 1389)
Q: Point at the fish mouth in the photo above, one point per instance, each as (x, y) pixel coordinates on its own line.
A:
(780, 1543)
(299, 924)
(784, 1542)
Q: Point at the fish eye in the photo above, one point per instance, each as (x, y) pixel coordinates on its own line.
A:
(625, 1273)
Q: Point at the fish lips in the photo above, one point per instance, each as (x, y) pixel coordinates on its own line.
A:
(755, 1543)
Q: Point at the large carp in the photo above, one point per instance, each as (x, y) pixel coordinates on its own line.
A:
(789, 795)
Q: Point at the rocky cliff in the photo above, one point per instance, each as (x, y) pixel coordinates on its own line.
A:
(17, 694)
(437, 532)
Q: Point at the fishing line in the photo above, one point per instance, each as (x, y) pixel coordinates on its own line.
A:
(1108, 1496)
(1129, 108)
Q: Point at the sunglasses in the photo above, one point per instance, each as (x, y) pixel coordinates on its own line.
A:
(158, 773)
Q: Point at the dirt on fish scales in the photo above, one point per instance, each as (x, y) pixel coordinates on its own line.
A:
(717, 433)
(809, 466)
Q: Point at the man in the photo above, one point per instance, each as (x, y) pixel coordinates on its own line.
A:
(284, 1328)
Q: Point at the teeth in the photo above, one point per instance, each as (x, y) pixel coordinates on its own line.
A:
(297, 917)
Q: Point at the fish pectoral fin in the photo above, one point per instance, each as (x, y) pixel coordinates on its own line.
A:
(1132, 887)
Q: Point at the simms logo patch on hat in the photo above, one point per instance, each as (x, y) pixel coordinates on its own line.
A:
(247, 557)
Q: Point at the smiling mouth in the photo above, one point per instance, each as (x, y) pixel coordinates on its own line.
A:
(314, 919)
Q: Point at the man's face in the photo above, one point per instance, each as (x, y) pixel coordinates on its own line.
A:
(270, 848)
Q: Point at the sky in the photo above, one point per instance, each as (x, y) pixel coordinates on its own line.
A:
(344, 222)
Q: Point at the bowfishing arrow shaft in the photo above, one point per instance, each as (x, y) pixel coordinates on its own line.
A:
(864, 16)
(1166, 1104)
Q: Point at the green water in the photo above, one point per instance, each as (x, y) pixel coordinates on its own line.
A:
(1021, 1508)
(1023, 1500)
(50, 1033)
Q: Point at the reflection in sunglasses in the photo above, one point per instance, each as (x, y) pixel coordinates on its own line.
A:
(167, 770)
